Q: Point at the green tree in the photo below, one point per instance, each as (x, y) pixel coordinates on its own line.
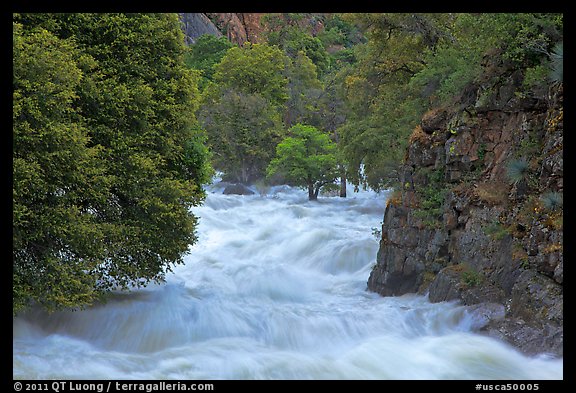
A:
(204, 54)
(287, 32)
(243, 131)
(382, 109)
(254, 69)
(412, 62)
(304, 90)
(58, 179)
(339, 32)
(241, 111)
(307, 158)
(108, 156)
(456, 61)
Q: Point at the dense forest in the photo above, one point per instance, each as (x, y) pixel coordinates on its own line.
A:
(118, 124)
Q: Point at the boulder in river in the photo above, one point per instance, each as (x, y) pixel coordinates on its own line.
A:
(237, 189)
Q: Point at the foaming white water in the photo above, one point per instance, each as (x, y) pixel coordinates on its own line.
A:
(275, 288)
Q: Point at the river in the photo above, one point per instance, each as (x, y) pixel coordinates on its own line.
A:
(275, 288)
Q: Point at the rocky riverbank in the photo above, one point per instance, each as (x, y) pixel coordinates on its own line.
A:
(479, 215)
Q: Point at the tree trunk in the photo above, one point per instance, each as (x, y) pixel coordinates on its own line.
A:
(343, 184)
(316, 192)
(244, 174)
(312, 196)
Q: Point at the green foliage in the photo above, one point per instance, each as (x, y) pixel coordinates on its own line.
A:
(306, 158)
(254, 69)
(549, 70)
(204, 54)
(496, 230)
(552, 201)
(516, 170)
(449, 69)
(304, 90)
(527, 37)
(431, 198)
(535, 77)
(56, 176)
(108, 159)
(342, 31)
(241, 109)
(243, 131)
(412, 62)
(383, 108)
(287, 34)
(332, 36)
(481, 152)
(471, 278)
(530, 145)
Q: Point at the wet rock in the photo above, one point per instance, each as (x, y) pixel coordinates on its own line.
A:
(446, 286)
(531, 340)
(237, 189)
(484, 314)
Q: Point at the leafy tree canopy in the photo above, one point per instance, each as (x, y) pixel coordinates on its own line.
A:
(254, 69)
(205, 53)
(307, 158)
(243, 131)
(108, 158)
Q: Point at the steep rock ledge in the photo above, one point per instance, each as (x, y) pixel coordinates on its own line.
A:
(493, 244)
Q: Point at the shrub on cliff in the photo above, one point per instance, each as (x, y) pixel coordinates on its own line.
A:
(516, 170)
(552, 201)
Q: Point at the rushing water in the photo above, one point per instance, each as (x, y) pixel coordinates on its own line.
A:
(275, 288)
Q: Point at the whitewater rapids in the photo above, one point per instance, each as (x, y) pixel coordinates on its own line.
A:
(275, 288)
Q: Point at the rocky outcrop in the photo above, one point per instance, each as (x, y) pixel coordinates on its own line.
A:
(237, 27)
(196, 24)
(462, 227)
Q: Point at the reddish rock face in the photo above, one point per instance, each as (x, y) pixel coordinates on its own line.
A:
(239, 27)
(252, 26)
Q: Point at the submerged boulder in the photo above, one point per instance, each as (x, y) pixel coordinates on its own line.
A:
(238, 189)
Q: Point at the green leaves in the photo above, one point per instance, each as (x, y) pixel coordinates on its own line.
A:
(254, 69)
(205, 53)
(108, 158)
(413, 62)
(306, 158)
(243, 131)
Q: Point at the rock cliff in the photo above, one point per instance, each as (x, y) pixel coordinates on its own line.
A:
(196, 24)
(237, 27)
(479, 217)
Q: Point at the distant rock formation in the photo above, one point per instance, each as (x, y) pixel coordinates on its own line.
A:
(237, 27)
(195, 24)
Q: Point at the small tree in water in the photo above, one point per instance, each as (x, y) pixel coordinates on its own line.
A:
(306, 159)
